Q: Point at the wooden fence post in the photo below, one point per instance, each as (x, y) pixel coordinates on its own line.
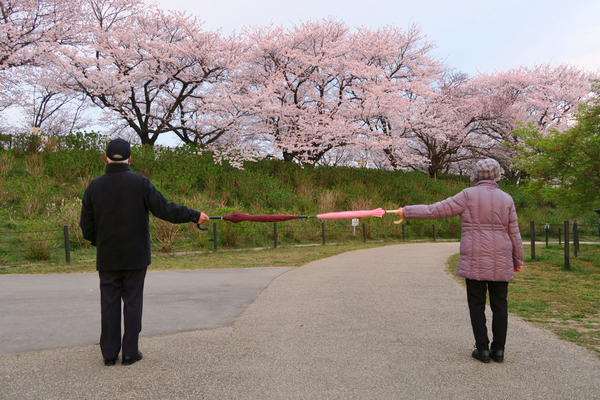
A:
(67, 244)
(532, 234)
(575, 239)
(567, 263)
(215, 237)
(559, 237)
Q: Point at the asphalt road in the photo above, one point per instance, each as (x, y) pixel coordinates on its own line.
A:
(41, 312)
(383, 323)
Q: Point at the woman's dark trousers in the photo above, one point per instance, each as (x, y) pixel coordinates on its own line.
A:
(476, 296)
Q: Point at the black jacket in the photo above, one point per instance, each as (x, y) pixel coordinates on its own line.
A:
(114, 217)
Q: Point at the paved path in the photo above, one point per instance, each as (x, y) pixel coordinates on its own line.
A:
(383, 323)
(42, 312)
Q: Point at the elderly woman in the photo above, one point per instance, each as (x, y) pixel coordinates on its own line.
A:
(490, 251)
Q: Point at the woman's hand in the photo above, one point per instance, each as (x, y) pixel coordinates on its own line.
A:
(518, 268)
(400, 212)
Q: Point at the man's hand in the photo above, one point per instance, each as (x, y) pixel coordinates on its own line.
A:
(203, 218)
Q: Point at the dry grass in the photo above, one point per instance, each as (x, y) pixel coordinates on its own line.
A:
(363, 204)
(32, 205)
(68, 212)
(38, 244)
(84, 181)
(34, 166)
(329, 200)
(165, 234)
(6, 163)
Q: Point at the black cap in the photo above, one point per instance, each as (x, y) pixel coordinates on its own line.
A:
(118, 150)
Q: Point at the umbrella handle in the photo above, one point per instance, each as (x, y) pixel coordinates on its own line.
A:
(394, 212)
(202, 228)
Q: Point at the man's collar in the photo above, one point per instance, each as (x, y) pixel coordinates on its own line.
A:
(117, 168)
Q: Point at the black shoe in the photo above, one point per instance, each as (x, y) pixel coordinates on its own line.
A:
(497, 355)
(481, 355)
(131, 360)
(110, 361)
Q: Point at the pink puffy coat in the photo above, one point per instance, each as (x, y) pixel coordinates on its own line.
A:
(490, 245)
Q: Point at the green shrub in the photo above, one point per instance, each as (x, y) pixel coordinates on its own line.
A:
(25, 143)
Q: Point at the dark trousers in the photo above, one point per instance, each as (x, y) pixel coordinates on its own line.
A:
(127, 285)
(476, 296)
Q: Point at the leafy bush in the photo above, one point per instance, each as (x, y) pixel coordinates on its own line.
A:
(25, 143)
(165, 234)
(68, 212)
(78, 157)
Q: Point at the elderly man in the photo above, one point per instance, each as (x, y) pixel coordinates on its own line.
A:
(491, 251)
(115, 219)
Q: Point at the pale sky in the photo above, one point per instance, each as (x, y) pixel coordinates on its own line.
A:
(470, 35)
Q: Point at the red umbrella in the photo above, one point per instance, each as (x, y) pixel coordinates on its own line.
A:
(236, 217)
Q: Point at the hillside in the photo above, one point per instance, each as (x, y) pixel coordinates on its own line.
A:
(42, 191)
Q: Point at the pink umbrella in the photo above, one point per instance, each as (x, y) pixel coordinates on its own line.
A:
(378, 212)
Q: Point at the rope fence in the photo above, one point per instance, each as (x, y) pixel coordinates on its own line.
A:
(407, 233)
(39, 243)
(562, 233)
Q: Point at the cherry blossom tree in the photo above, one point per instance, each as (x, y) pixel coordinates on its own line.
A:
(30, 32)
(298, 79)
(392, 89)
(36, 94)
(439, 137)
(155, 71)
(30, 29)
(321, 86)
(545, 95)
(464, 119)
